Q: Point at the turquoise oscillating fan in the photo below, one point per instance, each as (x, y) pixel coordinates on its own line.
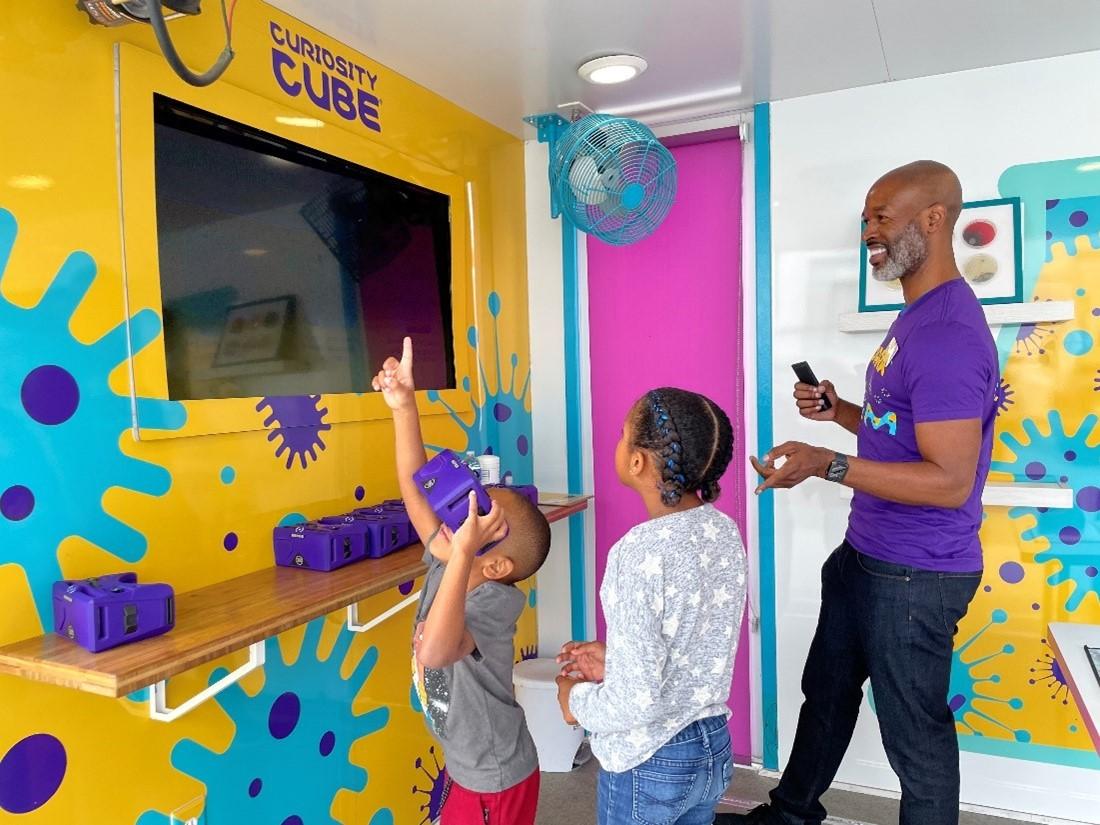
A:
(609, 176)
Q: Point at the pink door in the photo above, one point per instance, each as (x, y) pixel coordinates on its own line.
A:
(667, 312)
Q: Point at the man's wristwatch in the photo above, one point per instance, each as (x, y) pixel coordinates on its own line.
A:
(838, 468)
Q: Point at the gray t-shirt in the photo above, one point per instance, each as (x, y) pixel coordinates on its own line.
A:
(471, 706)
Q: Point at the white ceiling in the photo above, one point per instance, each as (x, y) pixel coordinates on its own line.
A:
(503, 59)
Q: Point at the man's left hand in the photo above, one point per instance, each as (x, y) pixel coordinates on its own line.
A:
(801, 461)
(565, 685)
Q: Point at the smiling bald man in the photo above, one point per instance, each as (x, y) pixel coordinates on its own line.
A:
(896, 588)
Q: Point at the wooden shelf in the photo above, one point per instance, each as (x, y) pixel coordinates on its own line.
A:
(1032, 312)
(219, 619)
(1027, 494)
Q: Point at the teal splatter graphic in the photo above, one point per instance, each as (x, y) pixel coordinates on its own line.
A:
(1069, 218)
(970, 679)
(290, 754)
(61, 424)
(502, 424)
(1073, 534)
(1046, 222)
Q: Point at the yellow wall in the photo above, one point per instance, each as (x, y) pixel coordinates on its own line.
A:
(165, 505)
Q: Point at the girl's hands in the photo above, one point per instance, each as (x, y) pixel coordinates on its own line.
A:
(584, 658)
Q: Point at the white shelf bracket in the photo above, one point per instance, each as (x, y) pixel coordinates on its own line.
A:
(158, 699)
(353, 614)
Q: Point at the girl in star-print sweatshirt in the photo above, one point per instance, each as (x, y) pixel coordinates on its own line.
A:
(654, 696)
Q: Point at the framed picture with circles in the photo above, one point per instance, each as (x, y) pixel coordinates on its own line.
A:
(988, 250)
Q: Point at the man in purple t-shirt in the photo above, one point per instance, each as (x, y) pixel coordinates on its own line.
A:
(894, 591)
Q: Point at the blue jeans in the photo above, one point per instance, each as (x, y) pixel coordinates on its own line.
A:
(681, 783)
(893, 625)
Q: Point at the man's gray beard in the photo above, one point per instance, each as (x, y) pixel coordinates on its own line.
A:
(902, 256)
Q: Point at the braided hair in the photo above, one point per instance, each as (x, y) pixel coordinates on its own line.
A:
(689, 436)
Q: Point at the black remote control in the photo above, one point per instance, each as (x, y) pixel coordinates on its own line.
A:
(806, 376)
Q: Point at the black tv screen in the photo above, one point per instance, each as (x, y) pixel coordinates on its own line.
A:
(288, 271)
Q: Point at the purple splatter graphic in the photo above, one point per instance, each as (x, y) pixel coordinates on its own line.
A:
(405, 588)
(16, 503)
(298, 423)
(230, 541)
(1088, 499)
(328, 742)
(1048, 673)
(255, 787)
(1029, 338)
(956, 702)
(50, 395)
(1003, 396)
(437, 781)
(1070, 455)
(522, 445)
(1034, 605)
(987, 589)
(284, 714)
(1035, 470)
(501, 412)
(1079, 218)
(1012, 572)
(293, 819)
(360, 493)
(31, 772)
(1052, 203)
(1091, 572)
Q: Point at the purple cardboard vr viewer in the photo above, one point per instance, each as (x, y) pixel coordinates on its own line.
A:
(387, 528)
(108, 611)
(320, 546)
(446, 482)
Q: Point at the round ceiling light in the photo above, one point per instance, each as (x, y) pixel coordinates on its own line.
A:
(615, 68)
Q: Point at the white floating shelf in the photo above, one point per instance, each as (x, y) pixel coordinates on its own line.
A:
(1032, 312)
(1027, 494)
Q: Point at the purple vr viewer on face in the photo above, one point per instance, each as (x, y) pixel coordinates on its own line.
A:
(447, 483)
(108, 611)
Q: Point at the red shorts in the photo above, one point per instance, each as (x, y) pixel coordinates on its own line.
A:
(512, 806)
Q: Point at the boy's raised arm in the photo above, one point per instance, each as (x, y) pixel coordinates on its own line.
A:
(395, 382)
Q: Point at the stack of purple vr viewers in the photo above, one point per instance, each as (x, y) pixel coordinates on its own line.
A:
(108, 611)
(333, 542)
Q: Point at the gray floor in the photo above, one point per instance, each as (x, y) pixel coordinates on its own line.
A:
(570, 799)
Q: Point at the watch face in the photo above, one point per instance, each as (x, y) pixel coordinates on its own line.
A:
(838, 469)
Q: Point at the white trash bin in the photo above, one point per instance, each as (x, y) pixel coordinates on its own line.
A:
(537, 693)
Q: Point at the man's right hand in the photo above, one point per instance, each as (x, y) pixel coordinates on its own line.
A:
(395, 379)
(808, 398)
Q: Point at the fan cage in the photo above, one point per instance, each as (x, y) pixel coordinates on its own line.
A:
(611, 177)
